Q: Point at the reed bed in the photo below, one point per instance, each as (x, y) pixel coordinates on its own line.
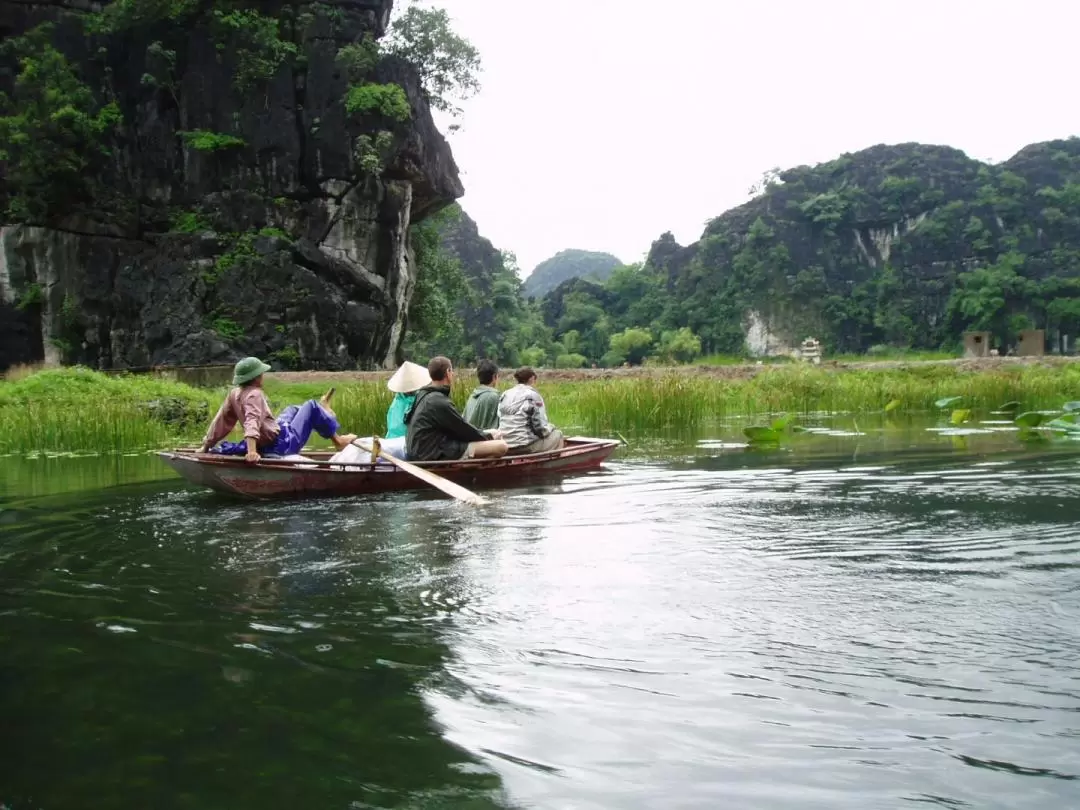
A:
(76, 410)
(684, 401)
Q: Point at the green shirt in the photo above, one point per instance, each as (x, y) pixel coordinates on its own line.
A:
(395, 415)
(482, 409)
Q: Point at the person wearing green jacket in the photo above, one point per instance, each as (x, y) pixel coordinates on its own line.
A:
(407, 380)
(482, 409)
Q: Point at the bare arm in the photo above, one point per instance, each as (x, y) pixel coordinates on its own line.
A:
(222, 425)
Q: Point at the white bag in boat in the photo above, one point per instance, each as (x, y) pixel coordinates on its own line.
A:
(357, 455)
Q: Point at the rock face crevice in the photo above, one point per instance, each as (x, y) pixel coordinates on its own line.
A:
(286, 248)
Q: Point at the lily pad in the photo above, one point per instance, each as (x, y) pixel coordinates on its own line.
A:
(1070, 407)
(760, 434)
(893, 405)
(1028, 435)
(947, 402)
(781, 422)
(1010, 407)
(960, 416)
(1029, 419)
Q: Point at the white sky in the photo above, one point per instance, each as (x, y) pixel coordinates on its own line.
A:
(602, 124)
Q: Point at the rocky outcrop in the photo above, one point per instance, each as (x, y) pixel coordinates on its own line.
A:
(280, 243)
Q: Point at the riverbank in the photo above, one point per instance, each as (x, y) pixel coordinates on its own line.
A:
(77, 410)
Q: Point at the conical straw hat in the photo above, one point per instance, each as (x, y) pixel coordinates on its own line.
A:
(409, 377)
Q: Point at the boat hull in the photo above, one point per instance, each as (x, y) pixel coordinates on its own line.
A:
(231, 475)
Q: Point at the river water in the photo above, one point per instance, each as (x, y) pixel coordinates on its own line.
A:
(862, 626)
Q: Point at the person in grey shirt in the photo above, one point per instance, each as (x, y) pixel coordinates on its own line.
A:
(523, 418)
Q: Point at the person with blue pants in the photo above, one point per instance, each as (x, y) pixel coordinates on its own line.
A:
(246, 404)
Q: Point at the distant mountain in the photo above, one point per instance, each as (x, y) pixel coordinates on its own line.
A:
(565, 265)
(906, 245)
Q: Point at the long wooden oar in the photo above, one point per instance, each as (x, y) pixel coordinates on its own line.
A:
(428, 477)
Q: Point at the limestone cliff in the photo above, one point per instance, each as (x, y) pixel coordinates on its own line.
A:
(232, 217)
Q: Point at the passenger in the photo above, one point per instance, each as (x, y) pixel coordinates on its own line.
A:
(482, 409)
(437, 432)
(263, 435)
(407, 380)
(523, 418)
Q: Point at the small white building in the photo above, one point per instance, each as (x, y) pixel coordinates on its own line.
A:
(810, 351)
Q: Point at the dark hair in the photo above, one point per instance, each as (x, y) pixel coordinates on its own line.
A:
(486, 371)
(524, 374)
(437, 368)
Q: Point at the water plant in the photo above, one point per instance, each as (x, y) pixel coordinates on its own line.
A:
(769, 435)
(960, 415)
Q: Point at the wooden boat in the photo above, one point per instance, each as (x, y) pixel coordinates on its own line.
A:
(317, 476)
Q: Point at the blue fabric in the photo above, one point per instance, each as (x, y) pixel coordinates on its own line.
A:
(395, 415)
(296, 423)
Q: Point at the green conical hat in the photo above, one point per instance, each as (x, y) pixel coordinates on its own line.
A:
(248, 369)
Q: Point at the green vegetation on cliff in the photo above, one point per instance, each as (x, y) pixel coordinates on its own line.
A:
(449, 65)
(468, 302)
(53, 131)
(566, 265)
(904, 245)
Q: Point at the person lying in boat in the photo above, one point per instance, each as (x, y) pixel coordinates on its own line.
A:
(263, 435)
(523, 418)
(437, 431)
(482, 409)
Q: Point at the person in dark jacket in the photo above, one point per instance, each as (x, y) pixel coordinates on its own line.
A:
(482, 409)
(435, 431)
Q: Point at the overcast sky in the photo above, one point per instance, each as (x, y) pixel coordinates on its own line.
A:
(603, 123)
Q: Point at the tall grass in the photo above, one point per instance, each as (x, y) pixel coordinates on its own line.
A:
(62, 410)
(75, 410)
(650, 403)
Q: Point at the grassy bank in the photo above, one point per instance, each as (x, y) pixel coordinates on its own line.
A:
(75, 410)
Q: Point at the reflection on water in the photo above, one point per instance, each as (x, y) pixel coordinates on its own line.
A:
(697, 627)
(33, 477)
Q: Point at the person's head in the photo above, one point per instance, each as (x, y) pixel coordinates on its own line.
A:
(441, 370)
(487, 372)
(249, 371)
(525, 375)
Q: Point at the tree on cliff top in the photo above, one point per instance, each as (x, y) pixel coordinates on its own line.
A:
(448, 64)
(52, 130)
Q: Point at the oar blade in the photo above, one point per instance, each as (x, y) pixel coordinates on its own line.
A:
(437, 481)
(449, 487)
